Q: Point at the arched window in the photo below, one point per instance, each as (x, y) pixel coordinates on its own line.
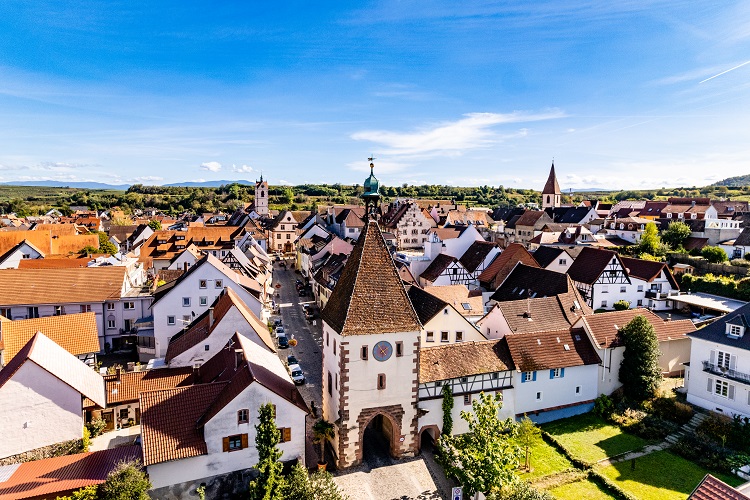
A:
(547, 198)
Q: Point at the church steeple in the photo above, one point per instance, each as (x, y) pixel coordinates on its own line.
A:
(371, 194)
(551, 194)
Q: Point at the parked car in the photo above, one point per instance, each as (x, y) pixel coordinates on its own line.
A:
(277, 322)
(291, 360)
(297, 375)
(283, 342)
(303, 293)
(279, 330)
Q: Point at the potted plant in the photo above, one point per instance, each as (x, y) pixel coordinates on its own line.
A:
(323, 430)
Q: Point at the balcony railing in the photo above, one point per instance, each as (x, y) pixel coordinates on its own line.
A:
(725, 372)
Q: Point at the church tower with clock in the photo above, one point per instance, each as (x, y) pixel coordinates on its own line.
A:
(370, 355)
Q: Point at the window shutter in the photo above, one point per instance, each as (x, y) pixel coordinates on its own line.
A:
(731, 392)
(225, 444)
(562, 372)
(287, 434)
(710, 383)
(732, 362)
(552, 373)
(523, 377)
(244, 441)
(533, 377)
(713, 357)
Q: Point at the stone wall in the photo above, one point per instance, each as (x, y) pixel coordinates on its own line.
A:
(54, 450)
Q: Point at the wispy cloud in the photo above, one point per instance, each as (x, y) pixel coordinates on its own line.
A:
(211, 166)
(474, 130)
(148, 178)
(243, 169)
(725, 72)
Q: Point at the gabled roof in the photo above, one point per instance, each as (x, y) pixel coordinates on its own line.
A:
(648, 270)
(369, 297)
(528, 281)
(590, 264)
(711, 488)
(503, 264)
(50, 477)
(43, 286)
(605, 327)
(547, 255)
(52, 358)
(16, 247)
(551, 349)
(463, 359)
(425, 304)
(694, 243)
(466, 303)
(437, 266)
(76, 333)
(532, 217)
(126, 387)
(743, 240)
(551, 186)
(476, 254)
(716, 331)
(543, 314)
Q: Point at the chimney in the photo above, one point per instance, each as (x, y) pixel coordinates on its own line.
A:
(210, 317)
(238, 357)
(669, 316)
(118, 373)
(196, 373)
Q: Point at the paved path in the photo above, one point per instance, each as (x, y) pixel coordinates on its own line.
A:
(633, 454)
(115, 439)
(407, 479)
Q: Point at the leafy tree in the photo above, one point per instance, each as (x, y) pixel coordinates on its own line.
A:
(87, 493)
(106, 246)
(520, 490)
(318, 486)
(676, 234)
(715, 255)
(483, 459)
(270, 482)
(621, 305)
(528, 436)
(650, 242)
(639, 371)
(155, 225)
(127, 481)
(323, 430)
(447, 410)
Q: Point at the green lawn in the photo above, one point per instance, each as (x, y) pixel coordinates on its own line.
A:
(660, 476)
(545, 460)
(580, 490)
(590, 438)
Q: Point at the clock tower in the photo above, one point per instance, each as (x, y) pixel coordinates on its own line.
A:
(370, 355)
(261, 197)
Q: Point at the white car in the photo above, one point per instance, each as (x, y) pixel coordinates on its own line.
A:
(279, 331)
(297, 376)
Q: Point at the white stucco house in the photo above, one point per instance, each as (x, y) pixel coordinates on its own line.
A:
(21, 251)
(441, 322)
(42, 390)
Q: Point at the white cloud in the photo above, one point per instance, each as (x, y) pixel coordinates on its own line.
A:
(148, 178)
(285, 183)
(211, 166)
(244, 169)
(473, 131)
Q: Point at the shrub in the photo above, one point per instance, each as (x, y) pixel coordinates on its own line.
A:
(621, 305)
(715, 255)
(671, 409)
(96, 427)
(740, 262)
(715, 427)
(705, 453)
(86, 440)
(604, 406)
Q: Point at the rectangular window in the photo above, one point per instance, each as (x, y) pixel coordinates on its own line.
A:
(430, 337)
(563, 262)
(170, 320)
(364, 352)
(243, 416)
(399, 349)
(111, 324)
(640, 302)
(186, 302)
(443, 336)
(330, 384)
(723, 360)
(337, 381)
(206, 347)
(459, 336)
(578, 389)
(381, 381)
(334, 346)
(604, 303)
(33, 312)
(235, 442)
(467, 399)
(124, 414)
(59, 311)
(202, 284)
(128, 305)
(721, 389)
(623, 289)
(204, 301)
(186, 319)
(539, 396)
(110, 306)
(285, 434)
(328, 339)
(219, 284)
(640, 288)
(605, 289)
(735, 330)
(5, 312)
(84, 309)
(554, 373)
(528, 376)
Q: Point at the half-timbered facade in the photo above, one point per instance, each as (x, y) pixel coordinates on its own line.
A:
(600, 276)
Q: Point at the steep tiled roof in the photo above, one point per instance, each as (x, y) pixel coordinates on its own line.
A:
(648, 270)
(76, 333)
(168, 422)
(604, 327)
(369, 296)
(590, 264)
(543, 314)
(51, 477)
(60, 363)
(437, 266)
(694, 243)
(716, 331)
(743, 240)
(546, 255)
(503, 264)
(711, 488)
(52, 239)
(459, 297)
(527, 281)
(531, 217)
(425, 304)
(127, 386)
(475, 254)
(463, 359)
(447, 233)
(551, 349)
(43, 286)
(551, 186)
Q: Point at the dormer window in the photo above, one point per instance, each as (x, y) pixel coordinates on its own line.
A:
(735, 330)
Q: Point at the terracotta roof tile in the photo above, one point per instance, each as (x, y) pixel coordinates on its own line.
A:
(369, 296)
(437, 266)
(711, 488)
(551, 349)
(648, 270)
(43, 286)
(543, 314)
(457, 296)
(503, 264)
(76, 333)
(528, 281)
(475, 254)
(128, 386)
(51, 477)
(590, 264)
(604, 327)
(551, 186)
(463, 359)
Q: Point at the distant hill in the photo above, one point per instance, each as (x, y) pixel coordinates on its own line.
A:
(210, 183)
(78, 185)
(739, 181)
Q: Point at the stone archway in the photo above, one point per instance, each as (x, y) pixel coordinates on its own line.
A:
(385, 421)
(428, 434)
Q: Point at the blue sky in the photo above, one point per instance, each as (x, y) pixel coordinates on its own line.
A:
(638, 94)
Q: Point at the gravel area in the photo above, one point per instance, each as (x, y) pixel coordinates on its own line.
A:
(404, 480)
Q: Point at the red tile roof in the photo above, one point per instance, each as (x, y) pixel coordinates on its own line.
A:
(43, 286)
(436, 267)
(551, 349)
(51, 477)
(504, 263)
(76, 333)
(590, 264)
(128, 386)
(604, 327)
(711, 488)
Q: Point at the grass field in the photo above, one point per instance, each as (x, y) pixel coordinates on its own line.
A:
(545, 461)
(580, 490)
(660, 476)
(590, 438)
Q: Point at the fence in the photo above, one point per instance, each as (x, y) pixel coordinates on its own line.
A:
(702, 266)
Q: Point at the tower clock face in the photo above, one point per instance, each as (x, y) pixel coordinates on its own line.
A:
(382, 350)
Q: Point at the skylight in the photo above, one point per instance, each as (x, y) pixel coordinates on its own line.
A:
(466, 306)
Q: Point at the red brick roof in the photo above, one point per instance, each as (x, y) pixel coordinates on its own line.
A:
(126, 387)
(51, 477)
(43, 286)
(590, 264)
(463, 359)
(604, 327)
(711, 488)
(551, 349)
(648, 270)
(504, 263)
(76, 333)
